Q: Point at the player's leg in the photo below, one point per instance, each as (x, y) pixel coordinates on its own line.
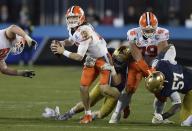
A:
(126, 110)
(106, 108)
(134, 78)
(159, 104)
(104, 80)
(186, 110)
(95, 96)
(88, 76)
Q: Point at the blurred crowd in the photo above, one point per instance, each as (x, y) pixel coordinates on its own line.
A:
(26, 12)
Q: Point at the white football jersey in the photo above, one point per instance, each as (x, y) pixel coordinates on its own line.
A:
(5, 45)
(97, 48)
(148, 46)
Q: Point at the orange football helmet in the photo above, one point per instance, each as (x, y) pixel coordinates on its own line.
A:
(148, 23)
(75, 16)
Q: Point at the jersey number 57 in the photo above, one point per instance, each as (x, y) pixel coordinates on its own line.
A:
(178, 83)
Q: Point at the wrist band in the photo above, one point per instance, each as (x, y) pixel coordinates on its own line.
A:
(66, 53)
(113, 71)
(27, 38)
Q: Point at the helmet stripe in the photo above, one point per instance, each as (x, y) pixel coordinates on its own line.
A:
(148, 18)
(72, 8)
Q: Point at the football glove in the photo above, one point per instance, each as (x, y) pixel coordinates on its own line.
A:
(157, 117)
(34, 44)
(51, 113)
(109, 67)
(28, 73)
(31, 42)
(89, 61)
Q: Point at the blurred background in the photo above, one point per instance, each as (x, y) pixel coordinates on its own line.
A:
(44, 20)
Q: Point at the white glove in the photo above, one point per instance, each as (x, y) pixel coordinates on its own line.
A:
(166, 121)
(109, 67)
(89, 61)
(51, 113)
(157, 118)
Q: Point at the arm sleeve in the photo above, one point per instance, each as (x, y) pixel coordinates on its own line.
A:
(175, 98)
(170, 55)
(83, 47)
(131, 36)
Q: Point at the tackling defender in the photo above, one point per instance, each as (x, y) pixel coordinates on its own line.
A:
(168, 81)
(90, 43)
(120, 57)
(146, 42)
(13, 39)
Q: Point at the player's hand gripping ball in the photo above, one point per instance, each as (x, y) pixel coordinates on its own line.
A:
(57, 48)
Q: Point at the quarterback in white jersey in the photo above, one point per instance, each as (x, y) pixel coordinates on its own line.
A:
(13, 39)
(94, 46)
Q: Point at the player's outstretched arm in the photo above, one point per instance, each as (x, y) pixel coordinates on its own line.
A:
(139, 61)
(173, 110)
(12, 30)
(136, 52)
(13, 72)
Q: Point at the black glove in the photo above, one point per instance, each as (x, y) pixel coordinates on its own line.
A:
(34, 44)
(28, 73)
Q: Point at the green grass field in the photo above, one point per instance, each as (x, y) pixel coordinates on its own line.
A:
(22, 101)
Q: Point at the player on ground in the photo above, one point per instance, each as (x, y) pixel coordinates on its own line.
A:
(90, 43)
(168, 81)
(13, 39)
(120, 57)
(146, 42)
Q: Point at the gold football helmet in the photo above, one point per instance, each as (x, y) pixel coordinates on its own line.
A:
(154, 82)
(122, 53)
(121, 56)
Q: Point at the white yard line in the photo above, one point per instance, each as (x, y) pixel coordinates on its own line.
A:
(97, 127)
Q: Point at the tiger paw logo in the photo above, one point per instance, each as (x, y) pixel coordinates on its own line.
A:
(4, 52)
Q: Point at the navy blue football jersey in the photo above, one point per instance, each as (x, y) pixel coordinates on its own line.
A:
(123, 72)
(121, 68)
(178, 77)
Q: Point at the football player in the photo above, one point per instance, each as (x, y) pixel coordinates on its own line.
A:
(146, 42)
(92, 44)
(13, 39)
(120, 58)
(168, 81)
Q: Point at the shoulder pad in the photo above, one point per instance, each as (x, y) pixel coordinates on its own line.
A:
(83, 33)
(163, 34)
(131, 35)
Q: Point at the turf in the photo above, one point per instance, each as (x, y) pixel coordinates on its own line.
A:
(22, 101)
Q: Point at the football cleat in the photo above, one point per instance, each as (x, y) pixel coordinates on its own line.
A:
(187, 122)
(86, 119)
(64, 117)
(126, 112)
(115, 118)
